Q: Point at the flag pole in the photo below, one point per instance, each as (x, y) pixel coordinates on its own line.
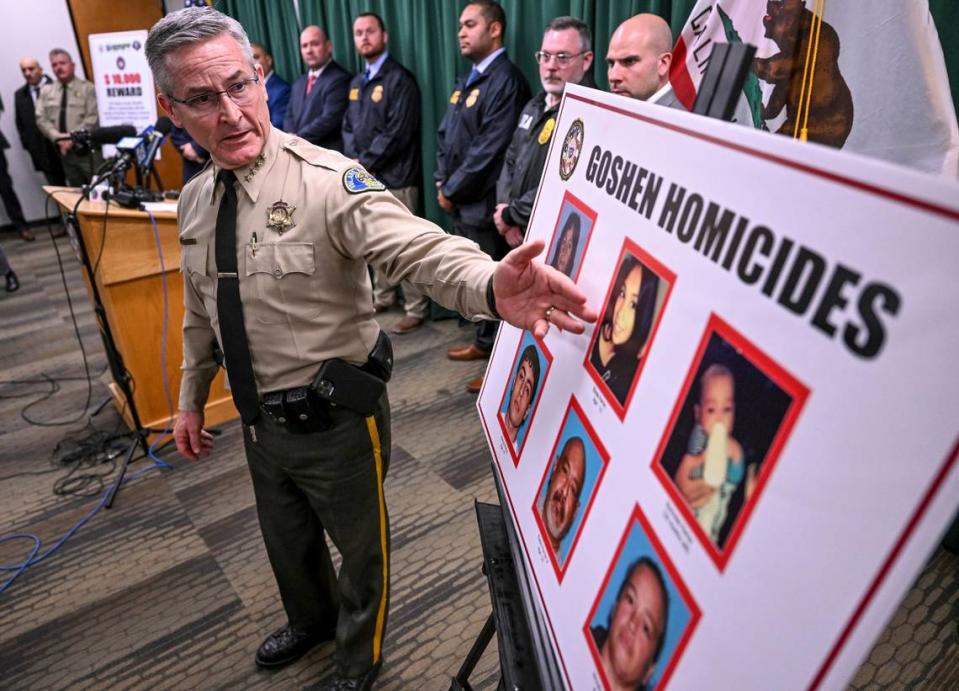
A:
(815, 30)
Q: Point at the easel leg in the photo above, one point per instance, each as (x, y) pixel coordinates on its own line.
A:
(461, 681)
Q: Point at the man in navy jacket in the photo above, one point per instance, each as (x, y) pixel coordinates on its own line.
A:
(381, 130)
(277, 90)
(473, 135)
(319, 97)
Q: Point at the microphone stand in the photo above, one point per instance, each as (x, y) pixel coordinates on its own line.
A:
(114, 358)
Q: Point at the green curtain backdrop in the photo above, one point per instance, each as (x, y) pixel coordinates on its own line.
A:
(423, 38)
(273, 24)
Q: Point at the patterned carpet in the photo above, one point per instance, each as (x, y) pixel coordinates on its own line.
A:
(170, 589)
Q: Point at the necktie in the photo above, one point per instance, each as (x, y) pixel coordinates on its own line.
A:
(366, 76)
(229, 309)
(310, 81)
(474, 74)
(62, 124)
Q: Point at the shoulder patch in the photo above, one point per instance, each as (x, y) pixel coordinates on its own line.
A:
(357, 180)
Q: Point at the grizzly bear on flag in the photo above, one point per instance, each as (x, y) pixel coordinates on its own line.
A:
(789, 25)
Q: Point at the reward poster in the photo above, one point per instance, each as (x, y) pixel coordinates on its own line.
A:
(731, 479)
(123, 80)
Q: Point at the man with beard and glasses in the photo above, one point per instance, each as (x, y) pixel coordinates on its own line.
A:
(381, 131)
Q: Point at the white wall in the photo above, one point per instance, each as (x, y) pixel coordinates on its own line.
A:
(29, 28)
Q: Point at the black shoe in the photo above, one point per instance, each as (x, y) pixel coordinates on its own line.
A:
(288, 644)
(338, 682)
(12, 282)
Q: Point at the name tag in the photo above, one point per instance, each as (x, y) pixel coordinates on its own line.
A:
(525, 121)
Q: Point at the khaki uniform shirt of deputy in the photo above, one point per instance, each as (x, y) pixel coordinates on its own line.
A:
(80, 114)
(307, 222)
(304, 287)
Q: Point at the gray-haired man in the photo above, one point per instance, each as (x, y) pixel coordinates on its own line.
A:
(64, 106)
(275, 236)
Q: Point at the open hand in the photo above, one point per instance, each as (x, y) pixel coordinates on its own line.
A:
(530, 295)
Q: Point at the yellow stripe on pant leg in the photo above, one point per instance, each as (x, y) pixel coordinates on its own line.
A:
(378, 460)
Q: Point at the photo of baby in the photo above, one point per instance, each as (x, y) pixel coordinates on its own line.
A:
(731, 421)
(643, 615)
(623, 335)
(522, 394)
(571, 236)
(576, 467)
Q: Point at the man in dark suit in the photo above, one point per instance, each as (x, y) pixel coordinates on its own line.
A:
(277, 90)
(43, 152)
(472, 140)
(319, 97)
(638, 60)
(10, 201)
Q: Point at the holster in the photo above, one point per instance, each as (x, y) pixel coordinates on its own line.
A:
(306, 409)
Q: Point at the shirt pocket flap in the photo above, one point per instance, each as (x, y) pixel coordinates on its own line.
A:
(280, 259)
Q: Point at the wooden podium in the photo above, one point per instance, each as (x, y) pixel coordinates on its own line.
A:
(129, 280)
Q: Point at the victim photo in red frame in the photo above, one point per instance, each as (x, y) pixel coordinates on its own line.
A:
(523, 392)
(571, 236)
(643, 615)
(727, 429)
(631, 313)
(574, 471)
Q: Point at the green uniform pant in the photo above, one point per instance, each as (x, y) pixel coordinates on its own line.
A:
(330, 482)
(80, 167)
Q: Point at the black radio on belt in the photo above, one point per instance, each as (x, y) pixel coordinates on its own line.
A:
(296, 410)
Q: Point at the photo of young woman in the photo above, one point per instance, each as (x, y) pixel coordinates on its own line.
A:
(625, 331)
(574, 226)
(562, 259)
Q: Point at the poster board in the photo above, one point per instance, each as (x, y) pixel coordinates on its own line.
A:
(760, 452)
(124, 82)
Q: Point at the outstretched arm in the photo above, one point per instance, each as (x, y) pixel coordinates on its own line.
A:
(531, 295)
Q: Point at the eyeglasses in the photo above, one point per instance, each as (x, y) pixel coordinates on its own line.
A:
(562, 59)
(207, 102)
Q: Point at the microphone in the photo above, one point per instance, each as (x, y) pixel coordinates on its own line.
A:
(99, 136)
(160, 132)
(140, 150)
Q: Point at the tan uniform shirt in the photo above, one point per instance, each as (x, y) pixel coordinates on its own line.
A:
(82, 111)
(306, 292)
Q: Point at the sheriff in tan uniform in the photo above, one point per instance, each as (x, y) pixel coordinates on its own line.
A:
(64, 106)
(275, 236)
(306, 299)
(304, 284)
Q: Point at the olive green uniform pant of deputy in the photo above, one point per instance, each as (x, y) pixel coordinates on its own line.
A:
(80, 167)
(329, 482)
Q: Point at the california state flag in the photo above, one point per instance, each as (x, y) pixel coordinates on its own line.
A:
(874, 82)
